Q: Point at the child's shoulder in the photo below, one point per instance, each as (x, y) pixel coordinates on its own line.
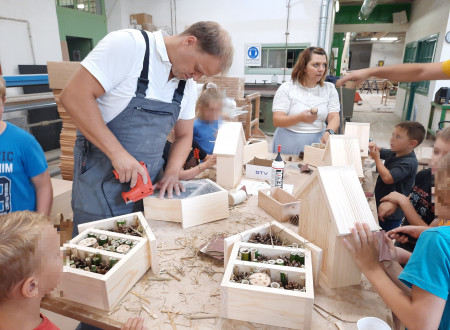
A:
(18, 132)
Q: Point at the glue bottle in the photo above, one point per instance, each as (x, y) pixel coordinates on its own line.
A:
(277, 170)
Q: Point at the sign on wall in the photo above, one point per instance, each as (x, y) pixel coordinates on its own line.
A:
(252, 54)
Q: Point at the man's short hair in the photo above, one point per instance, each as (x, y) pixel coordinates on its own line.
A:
(19, 232)
(414, 130)
(213, 40)
(2, 88)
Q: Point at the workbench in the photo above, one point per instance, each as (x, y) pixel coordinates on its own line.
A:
(186, 293)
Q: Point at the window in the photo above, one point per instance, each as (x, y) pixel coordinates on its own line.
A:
(274, 57)
(91, 6)
(421, 51)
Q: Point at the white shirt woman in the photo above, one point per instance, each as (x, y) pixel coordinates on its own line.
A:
(298, 124)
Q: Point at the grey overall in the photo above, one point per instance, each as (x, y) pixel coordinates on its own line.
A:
(142, 128)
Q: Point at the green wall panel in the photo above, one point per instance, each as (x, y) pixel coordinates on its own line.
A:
(338, 42)
(76, 23)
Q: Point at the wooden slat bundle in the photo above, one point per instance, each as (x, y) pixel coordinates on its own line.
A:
(59, 74)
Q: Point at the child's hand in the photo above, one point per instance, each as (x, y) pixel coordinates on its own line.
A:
(211, 161)
(386, 209)
(134, 323)
(400, 234)
(394, 197)
(363, 246)
(374, 151)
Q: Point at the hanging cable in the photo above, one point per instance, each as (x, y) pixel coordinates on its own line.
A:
(286, 42)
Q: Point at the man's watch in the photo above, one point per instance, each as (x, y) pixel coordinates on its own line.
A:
(329, 131)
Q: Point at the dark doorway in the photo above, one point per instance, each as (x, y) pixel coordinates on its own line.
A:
(78, 48)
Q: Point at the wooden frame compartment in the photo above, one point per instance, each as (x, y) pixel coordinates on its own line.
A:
(192, 209)
(313, 156)
(284, 234)
(267, 305)
(105, 291)
(278, 203)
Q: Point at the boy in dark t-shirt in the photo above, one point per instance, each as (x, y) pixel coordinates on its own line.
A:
(400, 167)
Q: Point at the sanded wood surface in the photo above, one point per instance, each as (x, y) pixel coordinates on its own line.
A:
(194, 301)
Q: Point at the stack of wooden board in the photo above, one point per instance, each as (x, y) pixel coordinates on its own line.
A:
(59, 74)
(104, 291)
(262, 298)
(202, 202)
(331, 203)
(233, 86)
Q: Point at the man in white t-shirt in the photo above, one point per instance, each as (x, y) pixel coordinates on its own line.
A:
(128, 94)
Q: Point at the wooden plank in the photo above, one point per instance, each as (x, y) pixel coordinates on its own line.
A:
(255, 148)
(205, 208)
(278, 203)
(62, 198)
(362, 131)
(345, 198)
(344, 150)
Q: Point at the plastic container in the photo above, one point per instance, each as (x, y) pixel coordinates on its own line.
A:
(372, 323)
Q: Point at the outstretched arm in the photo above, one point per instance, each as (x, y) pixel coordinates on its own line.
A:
(399, 72)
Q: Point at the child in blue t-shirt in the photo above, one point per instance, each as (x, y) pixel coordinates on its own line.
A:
(427, 272)
(24, 179)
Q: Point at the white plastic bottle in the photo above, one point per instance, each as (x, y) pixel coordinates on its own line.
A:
(277, 170)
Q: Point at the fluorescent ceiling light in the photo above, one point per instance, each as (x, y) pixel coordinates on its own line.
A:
(374, 39)
(389, 39)
(363, 39)
(80, 5)
(337, 6)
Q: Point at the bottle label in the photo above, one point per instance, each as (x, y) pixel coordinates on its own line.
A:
(277, 178)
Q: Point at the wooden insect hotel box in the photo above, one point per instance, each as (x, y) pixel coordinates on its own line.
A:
(280, 204)
(343, 150)
(229, 149)
(332, 203)
(268, 284)
(103, 263)
(276, 231)
(202, 202)
(361, 131)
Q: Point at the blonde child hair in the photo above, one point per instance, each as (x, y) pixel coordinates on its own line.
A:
(2, 88)
(210, 93)
(444, 134)
(18, 241)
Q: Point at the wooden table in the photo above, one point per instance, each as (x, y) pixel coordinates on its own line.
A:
(186, 294)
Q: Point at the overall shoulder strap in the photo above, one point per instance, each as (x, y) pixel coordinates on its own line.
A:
(142, 83)
(179, 92)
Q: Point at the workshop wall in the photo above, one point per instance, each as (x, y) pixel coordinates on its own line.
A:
(427, 17)
(391, 53)
(251, 21)
(15, 40)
